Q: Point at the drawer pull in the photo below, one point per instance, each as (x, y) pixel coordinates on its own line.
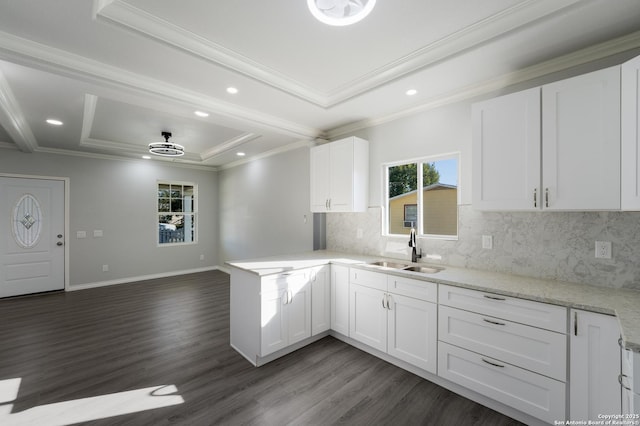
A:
(620, 342)
(493, 322)
(620, 376)
(494, 297)
(493, 363)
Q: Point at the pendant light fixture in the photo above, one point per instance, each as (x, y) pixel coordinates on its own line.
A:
(166, 148)
(340, 12)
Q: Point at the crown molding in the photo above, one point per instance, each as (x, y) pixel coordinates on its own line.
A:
(226, 146)
(57, 61)
(561, 63)
(13, 119)
(124, 14)
(280, 150)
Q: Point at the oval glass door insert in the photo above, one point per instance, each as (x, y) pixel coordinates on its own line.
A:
(27, 220)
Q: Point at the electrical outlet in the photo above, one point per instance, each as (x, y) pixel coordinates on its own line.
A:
(487, 242)
(359, 233)
(603, 249)
(105, 268)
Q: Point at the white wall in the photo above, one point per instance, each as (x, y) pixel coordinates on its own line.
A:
(119, 198)
(263, 206)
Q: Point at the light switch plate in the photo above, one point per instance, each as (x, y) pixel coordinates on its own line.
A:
(81, 234)
(97, 233)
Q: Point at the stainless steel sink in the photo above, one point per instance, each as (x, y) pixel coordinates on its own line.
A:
(423, 269)
(385, 264)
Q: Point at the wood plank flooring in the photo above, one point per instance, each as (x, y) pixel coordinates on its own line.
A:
(86, 348)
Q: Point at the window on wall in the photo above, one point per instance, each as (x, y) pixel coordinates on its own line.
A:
(423, 194)
(177, 213)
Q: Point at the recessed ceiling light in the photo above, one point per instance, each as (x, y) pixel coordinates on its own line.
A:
(232, 90)
(54, 122)
(240, 154)
(201, 113)
(411, 92)
(146, 157)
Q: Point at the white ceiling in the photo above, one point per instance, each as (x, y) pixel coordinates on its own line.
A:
(119, 72)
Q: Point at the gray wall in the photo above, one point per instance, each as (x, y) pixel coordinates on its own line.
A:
(263, 206)
(119, 197)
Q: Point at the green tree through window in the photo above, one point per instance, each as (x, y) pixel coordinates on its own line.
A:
(404, 178)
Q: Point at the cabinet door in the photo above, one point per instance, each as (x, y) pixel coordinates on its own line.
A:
(412, 328)
(594, 365)
(340, 299)
(368, 316)
(581, 142)
(320, 299)
(506, 152)
(274, 331)
(631, 135)
(341, 176)
(319, 177)
(298, 311)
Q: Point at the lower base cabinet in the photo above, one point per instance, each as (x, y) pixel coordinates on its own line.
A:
(594, 366)
(531, 393)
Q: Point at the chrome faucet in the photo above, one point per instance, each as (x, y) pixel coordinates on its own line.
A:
(412, 243)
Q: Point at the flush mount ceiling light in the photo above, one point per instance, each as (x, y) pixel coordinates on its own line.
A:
(340, 12)
(166, 148)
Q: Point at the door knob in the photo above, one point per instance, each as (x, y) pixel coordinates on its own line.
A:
(59, 243)
(59, 235)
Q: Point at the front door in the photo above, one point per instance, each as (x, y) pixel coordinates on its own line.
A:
(31, 236)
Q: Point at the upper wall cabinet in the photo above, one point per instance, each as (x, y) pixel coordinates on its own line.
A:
(550, 148)
(506, 152)
(340, 176)
(631, 135)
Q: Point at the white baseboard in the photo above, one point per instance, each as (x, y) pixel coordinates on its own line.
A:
(142, 278)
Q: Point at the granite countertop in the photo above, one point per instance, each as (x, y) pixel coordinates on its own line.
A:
(623, 303)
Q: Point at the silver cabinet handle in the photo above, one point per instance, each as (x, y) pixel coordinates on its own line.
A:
(620, 376)
(384, 296)
(329, 203)
(575, 323)
(493, 322)
(493, 297)
(535, 197)
(620, 342)
(388, 299)
(546, 197)
(492, 363)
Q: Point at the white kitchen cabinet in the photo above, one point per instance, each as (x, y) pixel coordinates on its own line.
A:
(401, 323)
(531, 393)
(594, 365)
(581, 142)
(630, 383)
(577, 150)
(340, 176)
(320, 299)
(630, 127)
(506, 152)
(286, 310)
(269, 313)
(340, 299)
(368, 316)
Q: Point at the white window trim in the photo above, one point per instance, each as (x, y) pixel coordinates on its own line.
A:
(195, 212)
(420, 227)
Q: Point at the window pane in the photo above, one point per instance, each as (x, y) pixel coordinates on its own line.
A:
(403, 182)
(163, 205)
(440, 197)
(176, 191)
(170, 228)
(163, 190)
(176, 205)
(188, 191)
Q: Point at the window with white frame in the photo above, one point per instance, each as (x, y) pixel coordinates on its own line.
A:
(433, 209)
(177, 213)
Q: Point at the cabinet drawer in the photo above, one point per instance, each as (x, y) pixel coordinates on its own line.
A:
(523, 390)
(291, 280)
(368, 278)
(531, 348)
(422, 290)
(536, 314)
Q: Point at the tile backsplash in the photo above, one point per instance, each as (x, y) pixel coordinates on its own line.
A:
(550, 245)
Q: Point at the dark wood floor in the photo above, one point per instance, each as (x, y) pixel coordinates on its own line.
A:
(175, 331)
